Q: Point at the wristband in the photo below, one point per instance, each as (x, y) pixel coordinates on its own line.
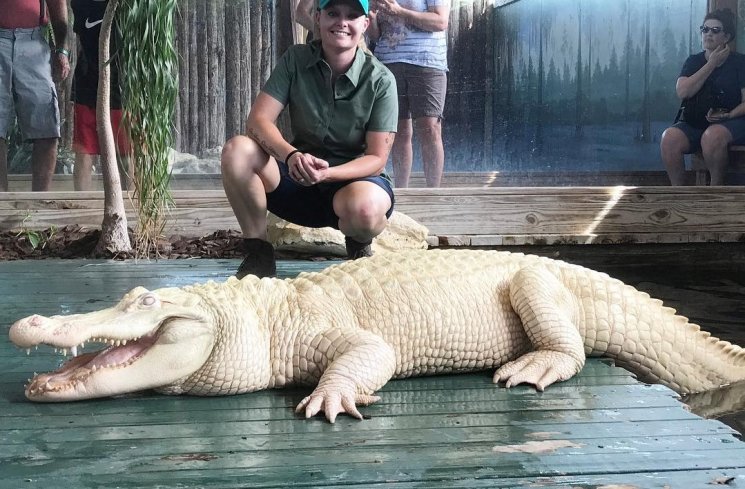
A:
(290, 154)
(63, 51)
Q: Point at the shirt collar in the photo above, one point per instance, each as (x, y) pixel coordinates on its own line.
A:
(352, 74)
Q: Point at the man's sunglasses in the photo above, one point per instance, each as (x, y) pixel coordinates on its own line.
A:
(714, 30)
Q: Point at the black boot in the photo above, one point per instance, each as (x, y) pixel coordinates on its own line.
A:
(355, 249)
(259, 259)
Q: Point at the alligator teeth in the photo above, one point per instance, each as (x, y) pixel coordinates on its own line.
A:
(74, 351)
(64, 352)
(28, 351)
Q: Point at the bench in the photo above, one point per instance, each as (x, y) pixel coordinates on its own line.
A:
(735, 169)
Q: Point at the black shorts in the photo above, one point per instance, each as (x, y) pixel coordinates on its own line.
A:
(313, 206)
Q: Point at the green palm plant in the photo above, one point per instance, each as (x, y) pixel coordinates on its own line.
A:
(149, 83)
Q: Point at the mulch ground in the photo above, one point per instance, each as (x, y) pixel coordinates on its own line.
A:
(77, 242)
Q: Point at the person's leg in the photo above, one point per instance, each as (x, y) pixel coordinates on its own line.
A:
(81, 174)
(248, 173)
(361, 207)
(247, 176)
(427, 89)
(429, 133)
(126, 171)
(402, 154)
(36, 105)
(3, 165)
(714, 147)
(673, 145)
(43, 162)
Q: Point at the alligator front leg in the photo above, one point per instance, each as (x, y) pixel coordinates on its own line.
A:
(357, 364)
(549, 314)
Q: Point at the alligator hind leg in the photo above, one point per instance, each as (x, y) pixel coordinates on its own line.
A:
(548, 312)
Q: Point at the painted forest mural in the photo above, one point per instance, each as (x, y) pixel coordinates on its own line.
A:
(586, 85)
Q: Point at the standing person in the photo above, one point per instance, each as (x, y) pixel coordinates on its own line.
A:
(716, 78)
(411, 40)
(88, 16)
(342, 105)
(28, 71)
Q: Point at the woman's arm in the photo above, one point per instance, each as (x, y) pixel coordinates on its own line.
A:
(435, 19)
(373, 30)
(370, 164)
(687, 86)
(737, 111)
(261, 126)
(304, 14)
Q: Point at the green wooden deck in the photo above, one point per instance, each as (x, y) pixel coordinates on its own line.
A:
(600, 428)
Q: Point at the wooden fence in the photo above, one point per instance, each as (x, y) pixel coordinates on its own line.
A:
(227, 49)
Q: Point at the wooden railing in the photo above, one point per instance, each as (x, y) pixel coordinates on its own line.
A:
(459, 216)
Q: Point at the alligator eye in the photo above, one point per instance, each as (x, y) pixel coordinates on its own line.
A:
(148, 300)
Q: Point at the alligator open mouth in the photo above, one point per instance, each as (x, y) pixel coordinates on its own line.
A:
(120, 354)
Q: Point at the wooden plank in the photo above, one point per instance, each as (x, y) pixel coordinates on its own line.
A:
(512, 215)
(425, 432)
(213, 181)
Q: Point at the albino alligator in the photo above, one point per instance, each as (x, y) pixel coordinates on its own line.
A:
(349, 329)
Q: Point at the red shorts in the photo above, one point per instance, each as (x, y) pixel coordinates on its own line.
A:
(85, 135)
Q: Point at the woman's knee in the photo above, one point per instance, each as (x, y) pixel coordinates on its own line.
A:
(715, 138)
(365, 213)
(241, 153)
(405, 130)
(674, 140)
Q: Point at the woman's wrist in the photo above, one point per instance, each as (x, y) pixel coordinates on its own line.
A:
(63, 51)
(291, 154)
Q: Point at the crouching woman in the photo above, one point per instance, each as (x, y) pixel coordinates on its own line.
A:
(343, 108)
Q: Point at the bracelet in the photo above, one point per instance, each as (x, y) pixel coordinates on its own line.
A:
(63, 51)
(290, 154)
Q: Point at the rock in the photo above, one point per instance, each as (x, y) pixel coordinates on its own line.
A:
(188, 163)
(401, 233)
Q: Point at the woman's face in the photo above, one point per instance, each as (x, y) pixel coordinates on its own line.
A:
(712, 34)
(342, 25)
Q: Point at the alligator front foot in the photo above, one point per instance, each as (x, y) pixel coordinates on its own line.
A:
(539, 368)
(333, 400)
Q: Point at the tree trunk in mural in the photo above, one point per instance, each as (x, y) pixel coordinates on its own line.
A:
(646, 116)
(627, 55)
(539, 103)
(578, 107)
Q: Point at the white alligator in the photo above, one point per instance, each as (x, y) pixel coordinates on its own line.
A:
(349, 329)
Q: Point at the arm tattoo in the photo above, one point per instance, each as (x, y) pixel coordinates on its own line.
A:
(390, 137)
(264, 144)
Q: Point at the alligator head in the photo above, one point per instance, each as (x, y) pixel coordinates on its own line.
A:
(154, 340)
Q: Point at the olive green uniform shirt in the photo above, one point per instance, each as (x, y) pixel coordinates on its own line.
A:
(330, 120)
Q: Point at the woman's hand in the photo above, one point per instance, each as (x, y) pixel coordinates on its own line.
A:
(719, 55)
(717, 115)
(388, 7)
(306, 169)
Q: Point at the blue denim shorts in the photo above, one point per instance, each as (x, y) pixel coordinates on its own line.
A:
(313, 206)
(735, 126)
(26, 85)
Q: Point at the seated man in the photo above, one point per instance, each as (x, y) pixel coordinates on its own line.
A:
(343, 106)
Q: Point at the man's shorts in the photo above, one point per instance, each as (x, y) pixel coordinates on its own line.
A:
(313, 206)
(421, 91)
(26, 84)
(85, 134)
(735, 126)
